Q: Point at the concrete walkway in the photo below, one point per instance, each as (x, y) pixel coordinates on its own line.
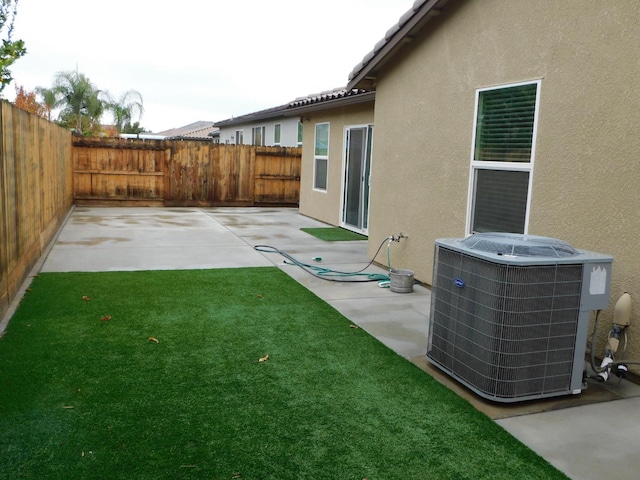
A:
(587, 436)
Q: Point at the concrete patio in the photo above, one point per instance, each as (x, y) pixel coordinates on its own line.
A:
(587, 436)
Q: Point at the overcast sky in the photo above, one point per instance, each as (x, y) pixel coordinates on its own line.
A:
(200, 59)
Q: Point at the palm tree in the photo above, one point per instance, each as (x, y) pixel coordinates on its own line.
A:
(94, 109)
(49, 100)
(128, 106)
(82, 102)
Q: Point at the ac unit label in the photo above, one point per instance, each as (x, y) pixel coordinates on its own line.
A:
(458, 282)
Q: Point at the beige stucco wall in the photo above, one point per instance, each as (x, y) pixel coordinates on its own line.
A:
(586, 175)
(325, 206)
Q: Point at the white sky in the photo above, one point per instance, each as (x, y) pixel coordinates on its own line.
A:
(200, 59)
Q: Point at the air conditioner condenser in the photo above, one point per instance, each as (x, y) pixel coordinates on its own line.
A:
(510, 313)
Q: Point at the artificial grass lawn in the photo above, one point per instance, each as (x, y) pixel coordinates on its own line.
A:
(334, 234)
(83, 397)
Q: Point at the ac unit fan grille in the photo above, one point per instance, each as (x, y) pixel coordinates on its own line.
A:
(510, 330)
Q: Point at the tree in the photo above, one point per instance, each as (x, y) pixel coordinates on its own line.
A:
(81, 101)
(10, 50)
(82, 105)
(27, 101)
(48, 100)
(135, 128)
(129, 105)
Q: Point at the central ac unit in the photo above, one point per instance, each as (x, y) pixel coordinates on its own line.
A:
(510, 313)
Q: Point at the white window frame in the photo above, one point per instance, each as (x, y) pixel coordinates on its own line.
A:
(239, 137)
(343, 178)
(324, 158)
(277, 134)
(505, 166)
(261, 129)
(300, 133)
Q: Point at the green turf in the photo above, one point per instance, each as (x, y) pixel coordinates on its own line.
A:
(83, 397)
(334, 234)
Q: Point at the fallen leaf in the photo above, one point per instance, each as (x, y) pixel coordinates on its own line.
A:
(354, 326)
(85, 298)
(106, 318)
(260, 295)
(67, 406)
(264, 359)
(153, 339)
(236, 476)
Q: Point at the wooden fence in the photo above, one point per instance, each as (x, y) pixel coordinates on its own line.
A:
(36, 181)
(183, 173)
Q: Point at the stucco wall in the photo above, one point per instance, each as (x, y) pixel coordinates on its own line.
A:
(325, 206)
(586, 172)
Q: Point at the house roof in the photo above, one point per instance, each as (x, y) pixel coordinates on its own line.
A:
(201, 130)
(337, 97)
(269, 113)
(364, 75)
(317, 101)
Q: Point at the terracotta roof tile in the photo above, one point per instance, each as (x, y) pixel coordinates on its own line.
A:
(335, 94)
(409, 22)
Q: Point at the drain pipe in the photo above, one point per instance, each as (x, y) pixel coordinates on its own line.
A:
(621, 320)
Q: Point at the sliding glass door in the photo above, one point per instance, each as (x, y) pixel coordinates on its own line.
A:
(355, 190)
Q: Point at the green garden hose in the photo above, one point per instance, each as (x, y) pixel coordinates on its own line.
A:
(334, 275)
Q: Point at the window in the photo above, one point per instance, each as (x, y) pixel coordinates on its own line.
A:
(239, 137)
(257, 136)
(502, 162)
(300, 134)
(276, 134)
(321, 157)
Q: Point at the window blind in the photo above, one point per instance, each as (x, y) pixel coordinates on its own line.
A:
(504, 131)
(500, 201)
(320, 181)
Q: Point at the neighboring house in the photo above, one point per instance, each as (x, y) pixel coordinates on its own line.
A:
(268, 127)
(336, 156)
(202, 130)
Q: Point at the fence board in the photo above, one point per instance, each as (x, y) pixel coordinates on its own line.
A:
(115, 170)
(277, 175)
(35, 193)
(187, 173)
